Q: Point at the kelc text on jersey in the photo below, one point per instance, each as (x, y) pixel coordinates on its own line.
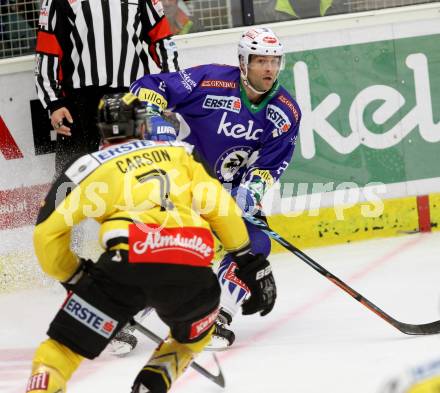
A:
(239, 131)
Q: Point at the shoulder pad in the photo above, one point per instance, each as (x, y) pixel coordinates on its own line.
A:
(188, 147)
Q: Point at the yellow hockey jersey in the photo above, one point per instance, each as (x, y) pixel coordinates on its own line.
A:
(157, 184)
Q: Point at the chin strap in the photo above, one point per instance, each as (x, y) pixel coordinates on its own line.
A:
(247, 83)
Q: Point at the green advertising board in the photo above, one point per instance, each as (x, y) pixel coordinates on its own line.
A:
(371, 112)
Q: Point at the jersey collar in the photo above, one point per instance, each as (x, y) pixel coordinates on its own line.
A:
(254, 108)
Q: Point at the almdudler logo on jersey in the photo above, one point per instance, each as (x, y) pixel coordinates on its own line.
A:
(232, 104)
(181, 245)
(89, 316)
(279, 119)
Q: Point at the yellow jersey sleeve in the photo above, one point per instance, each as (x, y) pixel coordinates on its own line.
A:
(69, 201)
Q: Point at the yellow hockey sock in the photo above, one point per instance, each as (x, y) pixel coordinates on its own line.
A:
(169, 361)
(52, 367)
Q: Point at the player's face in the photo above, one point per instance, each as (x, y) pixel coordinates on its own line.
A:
(263, 71)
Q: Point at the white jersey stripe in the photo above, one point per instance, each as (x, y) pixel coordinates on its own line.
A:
(96, 52)
(98, 27)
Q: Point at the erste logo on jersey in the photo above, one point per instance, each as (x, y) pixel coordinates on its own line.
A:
(239, 131)
(232, 162)
(232, 104)
(89, 316)
(279, 119)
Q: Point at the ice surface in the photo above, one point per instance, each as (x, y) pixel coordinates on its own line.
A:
(317, 339)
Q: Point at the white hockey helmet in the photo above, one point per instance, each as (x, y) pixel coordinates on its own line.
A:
(260, 41)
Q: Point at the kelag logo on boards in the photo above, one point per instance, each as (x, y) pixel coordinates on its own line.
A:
(376, 119)
(316, 119)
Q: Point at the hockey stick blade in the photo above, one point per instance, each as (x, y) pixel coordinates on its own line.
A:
(407, 328)
(218, 379)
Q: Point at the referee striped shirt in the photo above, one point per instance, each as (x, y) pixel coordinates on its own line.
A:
(84, 43)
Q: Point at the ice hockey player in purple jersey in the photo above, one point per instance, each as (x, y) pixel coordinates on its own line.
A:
(244, 124)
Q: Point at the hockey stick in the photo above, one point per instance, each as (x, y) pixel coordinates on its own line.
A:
(407, 328)
(217, 379)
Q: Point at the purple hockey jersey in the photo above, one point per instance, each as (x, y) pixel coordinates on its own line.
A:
(238, 139)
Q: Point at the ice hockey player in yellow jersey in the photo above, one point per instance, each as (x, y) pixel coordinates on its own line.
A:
(157, 208)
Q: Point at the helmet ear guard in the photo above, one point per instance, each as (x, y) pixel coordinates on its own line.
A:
(120, 116)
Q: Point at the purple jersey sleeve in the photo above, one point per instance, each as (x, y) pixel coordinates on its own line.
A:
(167, 90)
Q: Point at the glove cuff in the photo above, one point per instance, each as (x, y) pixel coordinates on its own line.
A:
(243, 257)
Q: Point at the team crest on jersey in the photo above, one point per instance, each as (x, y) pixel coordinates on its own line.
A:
(232, 104)
(279, 119)
(232, 162)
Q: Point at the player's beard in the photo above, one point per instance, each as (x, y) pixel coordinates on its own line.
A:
(261, 84)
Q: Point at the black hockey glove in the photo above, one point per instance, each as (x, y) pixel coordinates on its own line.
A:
(255, 271)
(83, 268)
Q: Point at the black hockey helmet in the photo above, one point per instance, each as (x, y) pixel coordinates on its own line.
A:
(120, 116)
